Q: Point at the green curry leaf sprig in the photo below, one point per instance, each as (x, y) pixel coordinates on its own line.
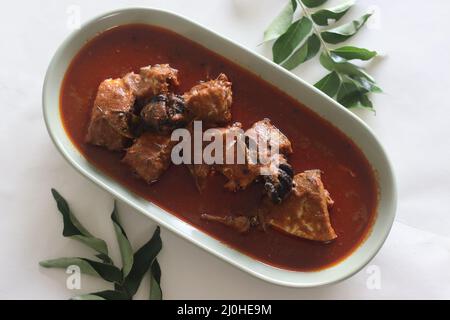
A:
(126, 280)
(296, 42)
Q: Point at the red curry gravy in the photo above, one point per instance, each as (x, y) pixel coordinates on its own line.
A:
(317, 145)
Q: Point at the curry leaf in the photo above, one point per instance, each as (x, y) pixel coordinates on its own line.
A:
(103, 295)
(364, 102)
(307, 51)
(322, 17)
(281, 22)
(286, 44)
(356, 82)
(350, 100)
(155, 281)
(313, 3)
(344, 67)
(345, 31)
(329, 84)
(365, 85)
(143, 260)
(126, 281)
(126, 251)
(106, 271)
(104, 258)
(357, 100)
(352, 95)
(64, 263)
(74, 229)
(346, 90)
(350, 53)
(346, 82)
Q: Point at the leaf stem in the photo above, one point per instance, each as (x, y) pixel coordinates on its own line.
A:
(317, 32)
(364, 84)
(315, 29)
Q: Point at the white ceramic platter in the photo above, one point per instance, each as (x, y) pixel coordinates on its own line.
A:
(321, 104)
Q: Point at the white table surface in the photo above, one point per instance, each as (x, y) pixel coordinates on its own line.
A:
(412, 120)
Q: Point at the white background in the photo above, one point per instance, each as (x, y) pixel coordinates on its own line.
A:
(411, 121)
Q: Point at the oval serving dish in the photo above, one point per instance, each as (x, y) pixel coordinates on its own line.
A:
(312, 98)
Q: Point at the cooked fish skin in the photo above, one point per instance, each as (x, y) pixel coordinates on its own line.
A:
(278, 184)
(211, 101)
(149, 156)
(304, 213)
(164, 113)
(272, 147)
(109, 125)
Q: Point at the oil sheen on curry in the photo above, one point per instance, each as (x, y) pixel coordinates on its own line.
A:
(305, 207)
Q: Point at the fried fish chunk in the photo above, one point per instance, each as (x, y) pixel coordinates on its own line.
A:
(109, 125)
(211, 101)
(304, 213)
(149, 156)
(235, 167)
(264, 131)
(268, 147)
(231, 162)
(152, 80)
